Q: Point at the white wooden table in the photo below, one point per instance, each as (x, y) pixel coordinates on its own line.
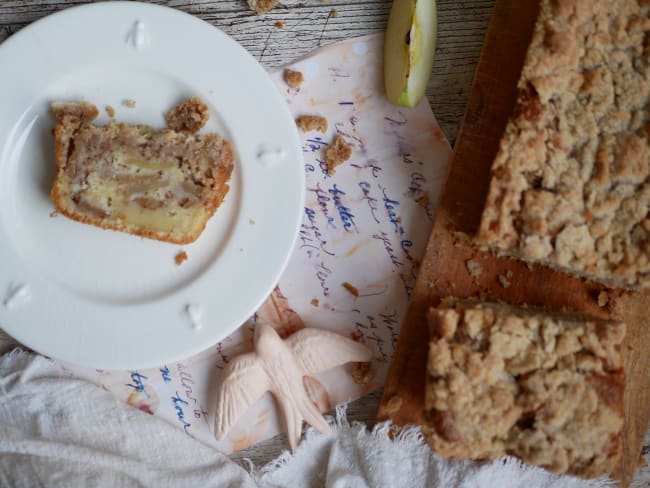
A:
(461, 24)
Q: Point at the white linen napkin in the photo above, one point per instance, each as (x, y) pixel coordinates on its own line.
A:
(58, 430)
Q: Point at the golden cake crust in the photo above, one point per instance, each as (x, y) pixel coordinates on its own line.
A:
(570, 184)
(547, 388)
(162, 185)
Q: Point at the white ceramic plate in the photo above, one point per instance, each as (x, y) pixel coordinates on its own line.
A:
(110, 300)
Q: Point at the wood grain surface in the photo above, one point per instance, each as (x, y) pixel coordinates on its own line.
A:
(445, 270)
(462, 25)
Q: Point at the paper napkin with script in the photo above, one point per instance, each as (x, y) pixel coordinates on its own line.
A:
(354, 265)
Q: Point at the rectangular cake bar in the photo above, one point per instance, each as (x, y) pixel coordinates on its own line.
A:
(570, 184)
(544, 387)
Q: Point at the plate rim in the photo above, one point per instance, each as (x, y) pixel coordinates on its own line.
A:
(206, 336)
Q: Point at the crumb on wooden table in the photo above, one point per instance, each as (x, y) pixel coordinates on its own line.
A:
(474, 268)
(278, 25)
(180, 258)
(260, 7)
(350, 288)
(362, 373)
(308, 123)
(128, 103)
(110, 111)
(189, 116)
(334, 13)
(293, 78)
(338, 152)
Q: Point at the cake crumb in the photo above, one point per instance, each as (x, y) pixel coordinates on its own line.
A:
(260, 7)
(54, 213)
(110, 111)
(603, 298)
(128, 103)
(293, 78)
(315, 302)
(308, 123)
(189, 116)
(393, 405)
(338, 152)
(362, 373)
(474, 268)
(180, 258)
(278, 25)
(334, 13)
(351, 288)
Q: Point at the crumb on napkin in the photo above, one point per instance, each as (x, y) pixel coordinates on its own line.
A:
(308, 123)
(338, 152)
(293, 78)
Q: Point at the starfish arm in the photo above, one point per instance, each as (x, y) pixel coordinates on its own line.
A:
(242, 383)
(318, 350)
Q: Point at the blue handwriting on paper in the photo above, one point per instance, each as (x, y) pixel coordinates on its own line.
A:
(389, 248)
(136, 382)
(310, 232)
(165, 374)
(370, 164)
(345, 214)
(179, 403)
(390, 321)
(186, 381)
(371, 201)
(369, 331)
(322, 199)
(322, 273)
(409, 276)
(222, 355)
(391, 209)
(416, 187)
(313, 145)
(393, 126)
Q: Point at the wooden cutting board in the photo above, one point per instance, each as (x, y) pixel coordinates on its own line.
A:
(444, 269)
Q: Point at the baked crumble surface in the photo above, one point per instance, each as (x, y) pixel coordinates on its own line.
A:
(547, 388)
(570, 184)
(189, 116)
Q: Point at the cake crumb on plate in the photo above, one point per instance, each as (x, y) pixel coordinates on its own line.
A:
(180, 258)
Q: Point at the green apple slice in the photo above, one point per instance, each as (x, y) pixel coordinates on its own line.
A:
(409, 49)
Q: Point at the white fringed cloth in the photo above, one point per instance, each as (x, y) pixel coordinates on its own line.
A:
(56, 430)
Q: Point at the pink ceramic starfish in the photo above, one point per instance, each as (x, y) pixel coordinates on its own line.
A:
(279, 367)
